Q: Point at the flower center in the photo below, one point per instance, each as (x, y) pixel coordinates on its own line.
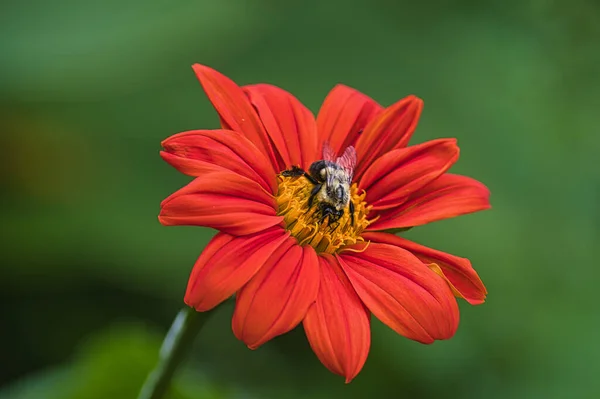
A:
(310, 226)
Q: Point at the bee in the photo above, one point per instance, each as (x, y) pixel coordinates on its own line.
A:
(331, 178)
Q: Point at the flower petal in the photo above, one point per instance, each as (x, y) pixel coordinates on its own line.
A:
(458, 271)
(434, 267)
(290, 125)
(392, 129)
(396, 175)
(446, 197)
(344, 114)
(224, 201)
(227, 263)
(402, 292)
(200, 151)
(278, 296)
(234, 108)
(337, 325)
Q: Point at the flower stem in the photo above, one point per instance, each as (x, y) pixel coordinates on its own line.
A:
(176, 344)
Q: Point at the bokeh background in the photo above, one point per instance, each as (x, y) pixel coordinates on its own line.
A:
(90, 281)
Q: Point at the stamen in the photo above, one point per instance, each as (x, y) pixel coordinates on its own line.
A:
(305, 224)
(357, 250)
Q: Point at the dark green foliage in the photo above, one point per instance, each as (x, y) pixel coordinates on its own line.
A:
(90, 281)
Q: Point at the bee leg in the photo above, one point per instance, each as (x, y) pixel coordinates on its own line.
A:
(313, 192)
(336, 223)
(351, 211)
(324, 213)
(296, 171)
(311, 179)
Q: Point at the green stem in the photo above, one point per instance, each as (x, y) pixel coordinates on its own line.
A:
(176, 344)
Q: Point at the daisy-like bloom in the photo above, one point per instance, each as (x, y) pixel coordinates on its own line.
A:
(279, 249)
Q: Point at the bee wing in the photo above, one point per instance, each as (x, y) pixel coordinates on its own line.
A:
(328, 153)
(348, 161)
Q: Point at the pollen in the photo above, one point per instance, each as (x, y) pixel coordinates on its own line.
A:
(305, 223)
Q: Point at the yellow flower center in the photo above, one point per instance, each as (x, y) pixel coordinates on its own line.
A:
(307, 224)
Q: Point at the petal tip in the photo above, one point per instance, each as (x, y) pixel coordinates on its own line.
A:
(413, 98)
(164, 221)
(199, 68)
(450, 141)
(164, 155)
(476, 302)
(341, 86)
(187, 299)
(208, 76)
(201, 71)
(414, 105)
(452, 145)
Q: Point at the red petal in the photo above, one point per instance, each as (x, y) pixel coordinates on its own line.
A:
(224, 201)
(344, 113)
(200, 151)
(402, 292)
(234, 108)
(457, 270)
(290, 125)
(399, 173)
(278, 296)
(446, 197)
(392, 129)
(227, 263)
(337, 325)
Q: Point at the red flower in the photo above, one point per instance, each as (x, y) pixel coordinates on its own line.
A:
(288, 255)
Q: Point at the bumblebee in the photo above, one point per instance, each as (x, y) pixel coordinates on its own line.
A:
(331, 178)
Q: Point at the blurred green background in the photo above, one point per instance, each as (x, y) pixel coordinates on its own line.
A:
(90, 281)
